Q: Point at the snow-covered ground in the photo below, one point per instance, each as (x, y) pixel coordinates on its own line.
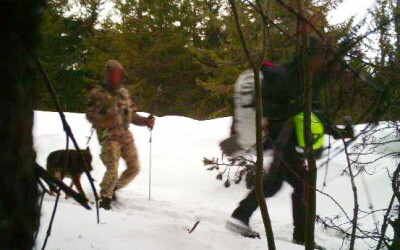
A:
(184, 192)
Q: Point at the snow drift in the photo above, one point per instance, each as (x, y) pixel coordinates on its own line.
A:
(184, 192)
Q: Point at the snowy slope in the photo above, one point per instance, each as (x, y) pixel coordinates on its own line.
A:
(182, 193)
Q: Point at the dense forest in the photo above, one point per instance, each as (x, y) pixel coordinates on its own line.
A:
(182, 57)
(191, 52)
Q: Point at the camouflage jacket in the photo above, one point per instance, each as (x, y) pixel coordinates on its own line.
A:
(108, 110)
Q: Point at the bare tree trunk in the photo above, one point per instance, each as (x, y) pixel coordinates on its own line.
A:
(260, 165)
(396, 223)
(18, 210)
(255, 65)
(386, 218)
(396, 12)
(382, 35)
(385, 223)
(396, 229)
(306, 83)
(312, 168)
(355, 197)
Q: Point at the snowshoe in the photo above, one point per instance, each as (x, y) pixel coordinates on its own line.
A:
(241, 228)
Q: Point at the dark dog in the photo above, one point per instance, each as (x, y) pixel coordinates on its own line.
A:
(58, 166)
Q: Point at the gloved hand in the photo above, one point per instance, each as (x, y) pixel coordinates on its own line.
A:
(349, 131)
(346, 132)
(150, 121)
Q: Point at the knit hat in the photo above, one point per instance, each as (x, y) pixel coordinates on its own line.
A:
(113, 64)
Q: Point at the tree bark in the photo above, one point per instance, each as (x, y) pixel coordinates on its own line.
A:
(18, 210)
(306, 83)
(396, 239)
(355, 199)
(255, 65)
(386, 217)
(396, 12)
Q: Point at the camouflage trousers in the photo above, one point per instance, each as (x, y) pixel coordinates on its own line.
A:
(115, 144)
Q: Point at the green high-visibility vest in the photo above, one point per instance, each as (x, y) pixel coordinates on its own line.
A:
(317, 130)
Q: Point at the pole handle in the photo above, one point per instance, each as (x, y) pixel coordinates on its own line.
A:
(150, 117)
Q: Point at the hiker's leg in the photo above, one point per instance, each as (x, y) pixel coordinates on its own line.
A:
(110, 154)
(129, 154)
(272, 184)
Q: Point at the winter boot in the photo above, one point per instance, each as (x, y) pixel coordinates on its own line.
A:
(240, 227)
(105, 203)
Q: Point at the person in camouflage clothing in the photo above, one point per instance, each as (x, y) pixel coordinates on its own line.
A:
(111, 111)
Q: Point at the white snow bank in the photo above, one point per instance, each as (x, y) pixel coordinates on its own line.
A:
(183, 192)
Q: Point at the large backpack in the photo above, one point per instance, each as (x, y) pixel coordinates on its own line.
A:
(243, 131)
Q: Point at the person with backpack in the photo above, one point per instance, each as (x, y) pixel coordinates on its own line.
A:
(111, 111)
(282, 101)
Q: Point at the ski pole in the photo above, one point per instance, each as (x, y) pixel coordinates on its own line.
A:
(152, 108)
(90, 136)
(150, 156)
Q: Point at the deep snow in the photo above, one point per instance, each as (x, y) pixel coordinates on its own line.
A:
(184, 192)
